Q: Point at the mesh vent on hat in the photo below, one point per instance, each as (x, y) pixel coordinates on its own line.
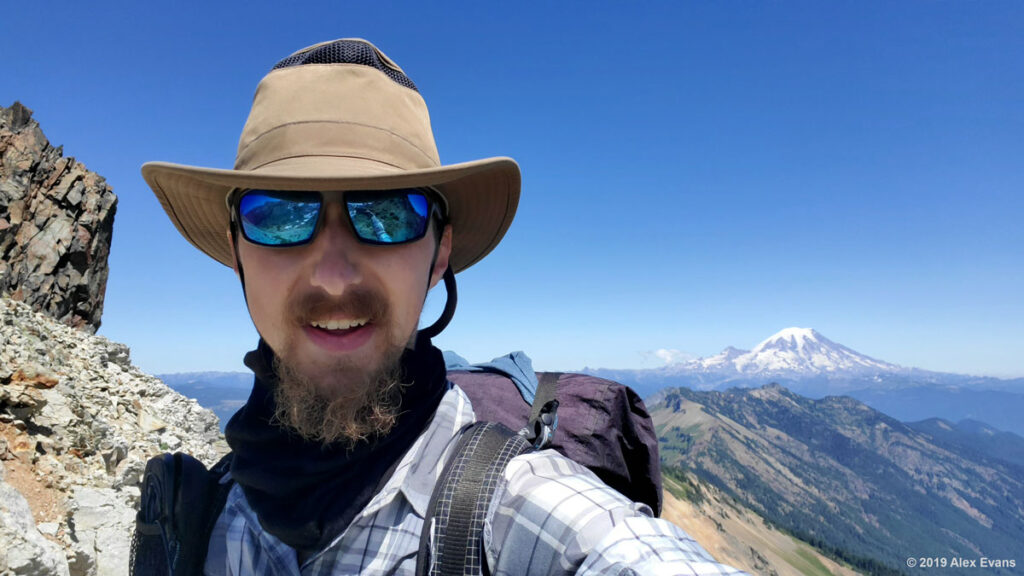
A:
(346, 52)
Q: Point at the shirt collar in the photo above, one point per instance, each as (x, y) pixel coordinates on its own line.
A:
(420, 467)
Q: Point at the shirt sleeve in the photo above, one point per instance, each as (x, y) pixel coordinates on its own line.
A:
(553, 516)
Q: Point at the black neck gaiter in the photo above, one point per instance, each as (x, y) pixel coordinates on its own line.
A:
(306, 493)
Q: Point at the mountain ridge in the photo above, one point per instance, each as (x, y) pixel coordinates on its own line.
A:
(837, 473)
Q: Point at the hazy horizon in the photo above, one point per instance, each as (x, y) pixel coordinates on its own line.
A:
(668, 357)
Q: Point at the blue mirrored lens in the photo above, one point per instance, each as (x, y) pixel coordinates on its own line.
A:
(388, 218)
(279, 218)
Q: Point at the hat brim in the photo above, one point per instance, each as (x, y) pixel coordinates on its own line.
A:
(482, 196)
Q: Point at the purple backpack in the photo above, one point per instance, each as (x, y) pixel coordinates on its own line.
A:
(601, 424)
(598, 423)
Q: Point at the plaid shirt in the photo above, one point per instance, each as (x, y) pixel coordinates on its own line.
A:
(549, 516)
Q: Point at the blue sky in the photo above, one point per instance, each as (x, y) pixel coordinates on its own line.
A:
(695, 175)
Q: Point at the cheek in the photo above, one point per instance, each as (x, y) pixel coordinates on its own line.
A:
(265, 289)
(408, 298)
(410, 278)
(260, 307)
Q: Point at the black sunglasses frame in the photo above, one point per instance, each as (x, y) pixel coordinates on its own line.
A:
(435, 201)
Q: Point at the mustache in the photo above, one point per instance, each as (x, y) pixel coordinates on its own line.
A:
(356, 302)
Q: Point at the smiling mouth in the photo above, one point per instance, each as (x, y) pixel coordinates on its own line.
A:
(340, 334)
(338, 325)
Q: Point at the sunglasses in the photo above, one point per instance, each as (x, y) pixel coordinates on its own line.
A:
(382, 217)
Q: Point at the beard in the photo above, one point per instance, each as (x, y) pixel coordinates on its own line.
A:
(340, 402)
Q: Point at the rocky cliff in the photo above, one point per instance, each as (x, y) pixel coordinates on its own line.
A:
(77, 421)
(56, 220)
(77, 424)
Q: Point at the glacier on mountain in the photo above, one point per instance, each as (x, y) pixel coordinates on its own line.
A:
(791, 352)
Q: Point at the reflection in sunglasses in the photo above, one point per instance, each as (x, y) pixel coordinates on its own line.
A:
(276, 218)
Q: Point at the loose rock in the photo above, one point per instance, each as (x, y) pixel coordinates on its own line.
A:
(71, 411)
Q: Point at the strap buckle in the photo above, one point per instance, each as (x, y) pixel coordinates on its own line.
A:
(541, 429)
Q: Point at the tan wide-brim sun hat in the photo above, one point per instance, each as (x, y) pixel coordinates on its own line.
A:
(340, 115)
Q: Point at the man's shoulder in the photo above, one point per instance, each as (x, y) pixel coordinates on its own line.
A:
(555, 516)
(550, 484)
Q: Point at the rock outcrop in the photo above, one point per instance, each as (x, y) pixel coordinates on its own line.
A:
(56, 220)
(77, 424)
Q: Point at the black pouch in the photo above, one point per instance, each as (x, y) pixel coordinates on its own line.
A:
(180, 503)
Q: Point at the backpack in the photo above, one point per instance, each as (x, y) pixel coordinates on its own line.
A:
(604, 426)
(598, 423)
(179, 505)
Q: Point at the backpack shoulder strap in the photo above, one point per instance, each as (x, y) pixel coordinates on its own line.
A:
(451, 542)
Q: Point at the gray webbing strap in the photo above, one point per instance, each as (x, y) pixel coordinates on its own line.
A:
(544, 412)
(451, 543)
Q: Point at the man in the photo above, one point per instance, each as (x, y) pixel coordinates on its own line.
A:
(338, 218)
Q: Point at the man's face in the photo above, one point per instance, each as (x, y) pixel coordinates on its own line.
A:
(338, 313)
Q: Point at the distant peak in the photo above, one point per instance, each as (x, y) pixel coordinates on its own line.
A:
(792, 336)
(732, 352)
(772, 390)
(799, 333)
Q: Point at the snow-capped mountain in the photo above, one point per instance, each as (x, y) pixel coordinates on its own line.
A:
(806, 362)
(800, 350)
(793, 356)
(801, 359)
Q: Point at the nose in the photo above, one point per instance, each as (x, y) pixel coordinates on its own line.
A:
(335, 253)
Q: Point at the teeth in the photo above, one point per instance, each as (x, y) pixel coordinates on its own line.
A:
(338, 324)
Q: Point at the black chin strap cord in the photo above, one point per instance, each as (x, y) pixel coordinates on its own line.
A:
(449, 307)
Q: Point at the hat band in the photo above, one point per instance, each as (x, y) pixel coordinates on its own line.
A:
(327, 138)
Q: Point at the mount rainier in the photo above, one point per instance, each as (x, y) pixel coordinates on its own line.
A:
(793, 351)
(812, 365)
